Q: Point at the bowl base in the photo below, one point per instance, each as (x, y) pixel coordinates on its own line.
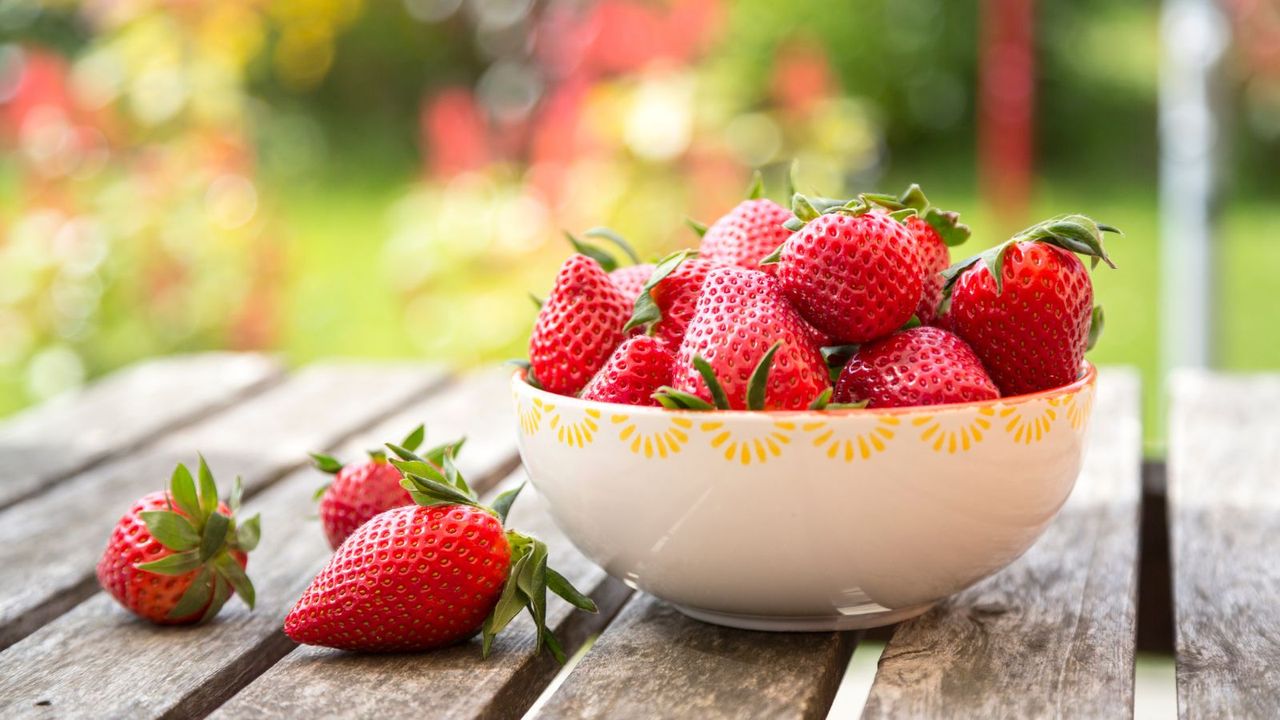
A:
(806, 623)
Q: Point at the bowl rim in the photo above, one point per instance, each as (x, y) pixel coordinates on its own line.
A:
(1088, 377)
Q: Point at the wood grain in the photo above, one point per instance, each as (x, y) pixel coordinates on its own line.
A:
(1053, 634)
(1224, 522)
(50, 543)
(97, 661)
(450, 683)
(653, 662)
(121, 412)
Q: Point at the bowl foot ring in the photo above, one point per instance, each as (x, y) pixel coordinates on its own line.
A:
(810, 623)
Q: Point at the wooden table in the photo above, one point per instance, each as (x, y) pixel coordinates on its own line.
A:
(1052, 635)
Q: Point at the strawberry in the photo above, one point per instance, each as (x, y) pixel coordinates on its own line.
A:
(1026, 305)
(852, 273)
(743, 329)
(430, 574)
(748, 233)
(934, 231)
(631, 279)
(920, 366)
(176, 557)
(636, 370)
(667, 301)
(361, 490)
(578, 326)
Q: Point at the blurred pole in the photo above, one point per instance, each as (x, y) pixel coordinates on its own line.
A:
(1006, 103)
(1194, 36)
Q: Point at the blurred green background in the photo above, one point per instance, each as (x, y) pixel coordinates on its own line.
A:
(338, 178)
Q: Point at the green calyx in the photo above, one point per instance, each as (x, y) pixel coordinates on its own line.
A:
(646, 312)
(823, 402)
(529, 377)
(1096, 323)
(806, 208)
(1075, 233)
(757, 384)
(945, 222)
(202, 540)
(333, 466)
(836, 357)
(441, 483)
(606, 260)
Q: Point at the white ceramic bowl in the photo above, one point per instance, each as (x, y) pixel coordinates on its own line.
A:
(804, 520)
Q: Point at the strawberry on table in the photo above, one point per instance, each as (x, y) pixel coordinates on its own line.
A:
(748, 233)
(1026, 305)
(921, 366)
(176, 557)
(740, 316)
(854, 273)
(634, 372)
(430, 574)
(361, 490)
(578, 326)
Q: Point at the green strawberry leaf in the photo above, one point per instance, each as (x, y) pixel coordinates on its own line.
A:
(860, 404)
(428, 492)
(911, 323)
(414, 439)
(221, 591)
(171, 529)
(325, 463)
(646, 311)
(214, 536)
(182, 491)
(195, 597)
(821, 402)
(320, 491)
(605, 260)
(604, 233)
(501, 505)
(208, 490)
(404, 454)
(231, 571)
(510, 602)
(696, 226)
(175, 564)
(561, 586)
(248, 533)
(718, 396)
(836, 357)
(674, 399)
(533, 583)
(454, 477)
(537, 301)
(759, 380)
(553, 645)
(435, 455)
(755, 190)
(1096, 325)
(902, 215)
(237, 494)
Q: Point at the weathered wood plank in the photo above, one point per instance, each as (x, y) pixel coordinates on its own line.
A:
(1053, 634)
(119, 413)
(449, 683)
(654, 662)
(261, 439)
(1224, 522)
(97, 661)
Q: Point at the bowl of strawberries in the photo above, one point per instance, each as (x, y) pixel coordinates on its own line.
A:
(814, 421)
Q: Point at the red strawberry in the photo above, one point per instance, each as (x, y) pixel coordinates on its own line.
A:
(361, 490)
(177, 556)
(634, 372)
(578, 327)
(852, 273)
(429, 575)
(920, 366)
(934, 231)
(740, 316)
(666, 302)
(746, 235)
(1026, 305)
(631, 279)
